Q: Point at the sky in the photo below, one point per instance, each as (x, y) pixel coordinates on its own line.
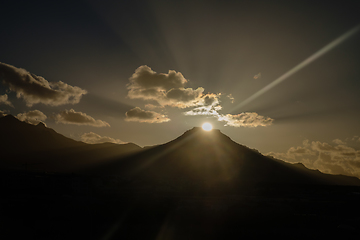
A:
(282, 77)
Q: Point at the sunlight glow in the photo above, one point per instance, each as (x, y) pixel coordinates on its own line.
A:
(207, 127)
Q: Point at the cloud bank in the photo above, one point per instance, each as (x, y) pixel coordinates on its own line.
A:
(335, 158)
(138, 115)
(33, 117)
(79, 118)
(93, 138)
(35, 89)
(167, 89)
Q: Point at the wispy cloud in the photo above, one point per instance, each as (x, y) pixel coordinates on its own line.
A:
(245, 119)
(33, 117)
(35, 89)
(4, 100)
(138, 115)
(232, 99)
(79, 118)
(93, 138)
(257, 76)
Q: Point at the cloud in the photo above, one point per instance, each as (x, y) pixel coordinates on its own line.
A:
(35, 89)
(2, 113)
(232, 99)
(204, 111)
(327, 148)
(338, 141)
(79, 118)
(167, 89)
(4, 100)
(335, 158)
(93, 138)
(152, 106)
(138, 115)
(33, 117)
(355, 138)
(182, 97)
(245, 119)
(257, 76)
(145, 78)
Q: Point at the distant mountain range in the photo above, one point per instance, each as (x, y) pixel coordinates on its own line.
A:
(198, 158)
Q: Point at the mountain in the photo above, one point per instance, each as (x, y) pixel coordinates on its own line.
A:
(36, 147)
(18, 136)
(212, 159)
(197, 158)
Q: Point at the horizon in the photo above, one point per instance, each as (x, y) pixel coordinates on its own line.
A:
(279, 77)
(182, 140)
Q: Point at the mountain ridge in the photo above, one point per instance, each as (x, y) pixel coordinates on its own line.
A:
(196, 155)
(38, 145)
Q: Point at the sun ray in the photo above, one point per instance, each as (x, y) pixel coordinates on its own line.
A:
(300, 66)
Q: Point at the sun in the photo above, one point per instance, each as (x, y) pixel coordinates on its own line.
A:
(207, 126)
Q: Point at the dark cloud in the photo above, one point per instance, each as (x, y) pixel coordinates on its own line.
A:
(145, 78)
(139, 115)
(35, 89)
(183, 97)
(4, 100)
(33, 117)
(167, 89)
(78, 118)
(211, 99)
(93, 138)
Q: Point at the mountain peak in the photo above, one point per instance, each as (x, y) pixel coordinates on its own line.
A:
(194, 129)
(202, 136)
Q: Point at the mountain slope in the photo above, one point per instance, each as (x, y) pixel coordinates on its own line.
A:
(197, 158)
(213, 159)
(29, 147)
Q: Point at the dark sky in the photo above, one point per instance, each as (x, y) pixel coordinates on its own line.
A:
(146, 71)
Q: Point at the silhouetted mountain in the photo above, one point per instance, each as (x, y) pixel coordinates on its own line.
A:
(212, 159)
(36, 147)
(197, 158)
(20, 137)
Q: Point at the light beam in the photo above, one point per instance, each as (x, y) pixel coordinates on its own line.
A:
(298, 67)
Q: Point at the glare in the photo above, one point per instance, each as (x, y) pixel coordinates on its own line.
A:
(207, 126)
